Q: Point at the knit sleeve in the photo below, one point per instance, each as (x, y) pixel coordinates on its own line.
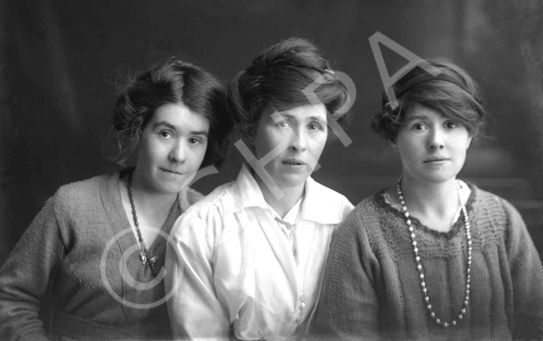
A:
(527, 278)
(25, 276)
(348, 306)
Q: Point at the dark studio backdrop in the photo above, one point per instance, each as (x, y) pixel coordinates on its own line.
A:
(61, 64)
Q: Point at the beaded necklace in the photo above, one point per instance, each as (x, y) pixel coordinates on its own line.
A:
(420, 268)
(290, 227)
(145, 255)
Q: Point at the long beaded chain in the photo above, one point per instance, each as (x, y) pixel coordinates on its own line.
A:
(420, 268)
(146, 258)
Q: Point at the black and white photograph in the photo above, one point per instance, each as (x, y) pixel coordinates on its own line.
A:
(271, 170)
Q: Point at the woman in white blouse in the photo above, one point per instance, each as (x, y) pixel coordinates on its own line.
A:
(247, 260)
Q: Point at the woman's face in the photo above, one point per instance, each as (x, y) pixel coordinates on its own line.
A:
(172, 147)
(292, 141)
(432, 147)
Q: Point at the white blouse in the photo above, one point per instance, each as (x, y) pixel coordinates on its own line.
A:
(232, 268)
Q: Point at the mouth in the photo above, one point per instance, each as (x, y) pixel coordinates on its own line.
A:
(293, 162)
(171, 171)
(436, 159)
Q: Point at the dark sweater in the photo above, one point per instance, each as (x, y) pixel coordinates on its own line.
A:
(371, 288)
(66, 246)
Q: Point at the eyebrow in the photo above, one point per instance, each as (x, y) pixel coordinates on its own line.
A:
(172, 127)
(311, 118)
(418, 117)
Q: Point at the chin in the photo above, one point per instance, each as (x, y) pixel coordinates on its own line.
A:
(439, 178)
(170, 187)
(292, 180)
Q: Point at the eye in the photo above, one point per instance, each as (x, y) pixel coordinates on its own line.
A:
(165, 134)
(315, 126)
(418, 126)
(195, 140)
(451, 124)
(283, 124)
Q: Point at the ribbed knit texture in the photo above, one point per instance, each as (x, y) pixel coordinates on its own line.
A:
(371, 288)
(64, 246)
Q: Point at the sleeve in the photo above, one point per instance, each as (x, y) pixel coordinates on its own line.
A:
(348, 305)
(527, 277)
(195, 311)
(25, 276)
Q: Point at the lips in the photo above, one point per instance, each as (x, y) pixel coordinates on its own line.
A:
(436, 159)
(293, 162)
(171, 171)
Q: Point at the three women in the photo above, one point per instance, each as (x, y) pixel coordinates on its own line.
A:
(432, 257)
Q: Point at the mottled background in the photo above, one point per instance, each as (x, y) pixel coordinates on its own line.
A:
(61, 63)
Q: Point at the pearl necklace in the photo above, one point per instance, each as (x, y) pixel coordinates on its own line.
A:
(420, 268)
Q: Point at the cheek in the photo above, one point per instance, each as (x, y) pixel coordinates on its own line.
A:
(265, 142)
(197, 156)
(146, 151)
(463, 144)
(318, 144)
(408, 147)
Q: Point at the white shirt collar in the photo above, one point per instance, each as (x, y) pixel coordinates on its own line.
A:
(321, 204)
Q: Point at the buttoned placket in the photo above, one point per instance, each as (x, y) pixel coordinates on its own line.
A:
(288, 226)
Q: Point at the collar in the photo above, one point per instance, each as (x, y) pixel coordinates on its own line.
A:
(321, 204)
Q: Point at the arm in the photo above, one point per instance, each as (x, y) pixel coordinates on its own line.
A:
(26, 274)
(527, 278)
(195, 311)
(348, 305)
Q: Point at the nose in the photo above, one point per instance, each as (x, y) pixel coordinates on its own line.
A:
(298, 140)
(178, 152)
(436, 139)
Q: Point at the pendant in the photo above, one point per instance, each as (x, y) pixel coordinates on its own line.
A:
(145, 260)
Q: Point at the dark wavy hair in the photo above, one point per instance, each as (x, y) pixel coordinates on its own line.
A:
(276, 80)
(171, 82)
(452, 93)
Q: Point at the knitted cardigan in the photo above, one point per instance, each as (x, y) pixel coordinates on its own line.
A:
(371, 288)
(81, 244)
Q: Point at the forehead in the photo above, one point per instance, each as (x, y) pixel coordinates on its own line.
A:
(303, 112)
(423, 112)
(180, 117)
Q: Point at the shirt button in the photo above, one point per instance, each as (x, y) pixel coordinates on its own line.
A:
(302, 305)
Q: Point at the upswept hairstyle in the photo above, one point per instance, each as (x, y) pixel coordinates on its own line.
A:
(452, 93)
(171, 82)
(276, 80)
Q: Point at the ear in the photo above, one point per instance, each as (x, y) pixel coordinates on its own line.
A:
(393, 145)
(469, 141)
(250, 137)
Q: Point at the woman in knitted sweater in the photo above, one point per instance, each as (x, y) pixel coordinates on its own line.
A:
(100, 243)
(432, 257)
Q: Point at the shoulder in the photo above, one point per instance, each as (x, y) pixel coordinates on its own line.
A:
(207, 210)
(219, 197)
(331, 195)
(84, 192)
(193, 196)
(365, 215)
(499, 210)
(327, 201)
(369, 222)
(371, 207)
(496, 217)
